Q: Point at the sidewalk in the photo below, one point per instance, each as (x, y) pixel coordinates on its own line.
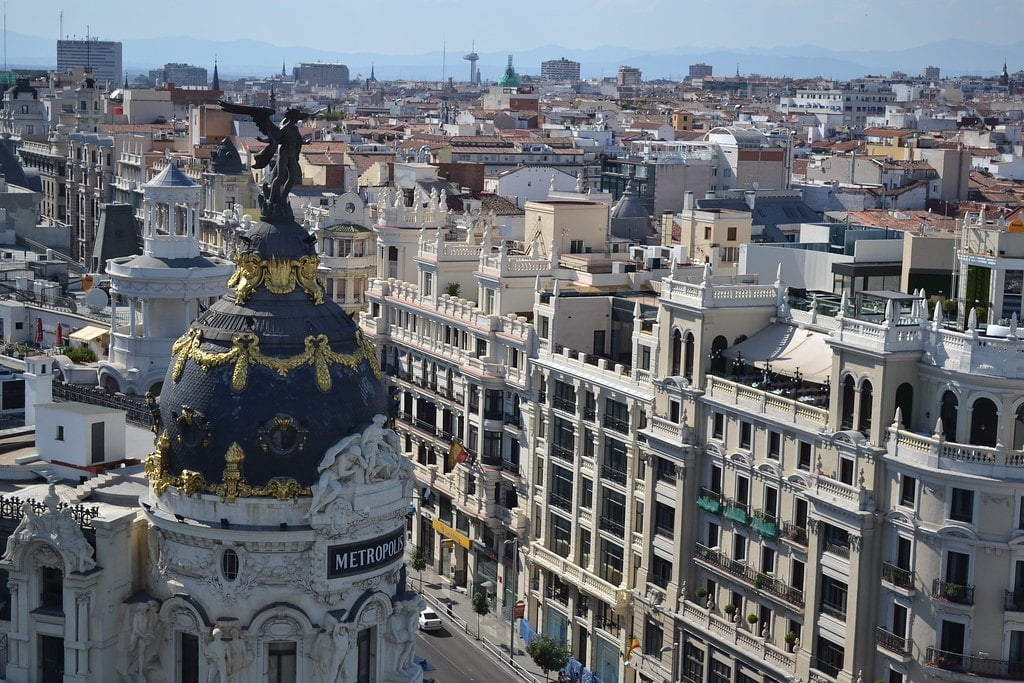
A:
(494, 631)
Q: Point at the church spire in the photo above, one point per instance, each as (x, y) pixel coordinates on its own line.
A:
(215, 85)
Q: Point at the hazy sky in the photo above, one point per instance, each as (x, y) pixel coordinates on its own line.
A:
(412, 26)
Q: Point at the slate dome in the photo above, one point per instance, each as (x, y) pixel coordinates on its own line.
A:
(267, 378)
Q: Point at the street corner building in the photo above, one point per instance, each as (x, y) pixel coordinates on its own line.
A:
(269, 542)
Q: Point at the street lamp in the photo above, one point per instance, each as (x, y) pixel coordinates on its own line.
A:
(674, 649)
(512, 608)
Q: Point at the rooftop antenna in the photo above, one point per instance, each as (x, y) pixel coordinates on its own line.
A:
(444, 55)
(60, 30)
(5, 35)
(88, 51)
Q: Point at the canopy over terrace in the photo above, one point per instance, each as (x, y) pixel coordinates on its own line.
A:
(789, 350)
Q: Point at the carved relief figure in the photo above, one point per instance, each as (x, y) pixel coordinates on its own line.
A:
(141, 623)
(330, 651)
(219, 655)
(401, 632)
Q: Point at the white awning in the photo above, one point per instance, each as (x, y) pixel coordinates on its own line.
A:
(88, 333)
(787, 348)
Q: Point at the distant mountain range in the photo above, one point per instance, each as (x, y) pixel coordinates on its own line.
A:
(253, 58)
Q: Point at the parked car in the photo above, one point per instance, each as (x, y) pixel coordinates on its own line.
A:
(429, 621)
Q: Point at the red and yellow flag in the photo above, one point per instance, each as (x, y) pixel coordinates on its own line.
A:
(634, 644)
(456, 454)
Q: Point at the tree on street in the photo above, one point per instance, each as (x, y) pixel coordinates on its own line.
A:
(547, 653)
(482, 609)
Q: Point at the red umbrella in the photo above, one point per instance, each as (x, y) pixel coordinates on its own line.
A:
(59, 341)
(39, 330)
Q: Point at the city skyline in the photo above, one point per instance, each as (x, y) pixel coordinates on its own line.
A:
(414, 27)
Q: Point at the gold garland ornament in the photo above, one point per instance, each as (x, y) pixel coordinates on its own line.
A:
(278, 276)
(245, 352)
(232, 486)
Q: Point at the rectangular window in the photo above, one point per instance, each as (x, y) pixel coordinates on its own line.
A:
(730, 234)
(281, 662)
(586, 492)
(188, 646)
(739, 547)
(611, 562)
(796, 574)
(693, 663)
(616, 416)
(718, 430)
(661, 571)
(746, 432)
(713, 535)
(908, 491)
(958, 568)
(720, 672)
(564, 397)
(830, 659)
(804, 460)
(366, 656)
(716, 479)
(961, 505)
(51, 588)
(664, 519)
(774, 445)
(653, 638)
(846, 471)
(60, 432)
(561, 535)
(742, 489)
(770, 506)
(833, 597)
(584, 548)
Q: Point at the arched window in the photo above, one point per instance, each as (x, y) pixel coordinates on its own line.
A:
(849, 396)
(905, 402)
(688, 356)
(984, 422)
(677, 353)
(1018, 428)
(948, 410)
(718, 347)
(866, 401)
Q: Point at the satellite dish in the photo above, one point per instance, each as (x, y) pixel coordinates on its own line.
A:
(96, 299)
(755, 186)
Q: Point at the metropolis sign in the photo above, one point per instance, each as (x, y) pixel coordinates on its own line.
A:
(355, 558)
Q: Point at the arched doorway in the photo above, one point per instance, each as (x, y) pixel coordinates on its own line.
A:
(866, 406)
(1018, 428)
(984, 422)
(948, 410)
(677, 353)
(718, 347)
(688, 356)
(905, 402)
(849, 395)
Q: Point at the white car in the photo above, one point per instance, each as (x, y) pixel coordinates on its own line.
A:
(429, 621)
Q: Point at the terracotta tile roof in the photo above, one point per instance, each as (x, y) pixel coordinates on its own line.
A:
(887, 132)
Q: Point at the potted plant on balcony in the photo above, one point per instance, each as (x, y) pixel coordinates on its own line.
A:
(790, 639)
(752, 620)
(701, 593)
(730, 610)
(954, 592)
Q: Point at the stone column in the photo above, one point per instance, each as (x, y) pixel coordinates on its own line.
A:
(82, 633)
(132, 303)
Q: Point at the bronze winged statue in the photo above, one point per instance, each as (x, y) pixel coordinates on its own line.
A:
(283, 142)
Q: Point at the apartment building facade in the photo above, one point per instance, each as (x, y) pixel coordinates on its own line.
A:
(751, 488)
